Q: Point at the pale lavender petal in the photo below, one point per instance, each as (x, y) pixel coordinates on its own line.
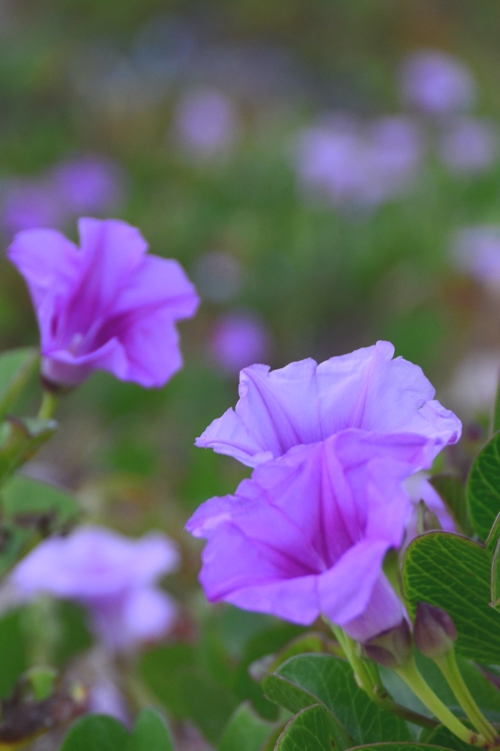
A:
(51, 272)
(305, 402)
(435, 422)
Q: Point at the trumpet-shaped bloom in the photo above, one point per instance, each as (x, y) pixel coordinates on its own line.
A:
(106, 306)
(304, 403)
(307, 534)
(112, 576)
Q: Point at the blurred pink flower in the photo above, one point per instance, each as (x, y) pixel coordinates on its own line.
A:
(237, 340)
(469, 144)
(28, 204)
(112, 576)
(475, 250)
(89, 184)
(436, 83)
(355, 167)
(206, 123)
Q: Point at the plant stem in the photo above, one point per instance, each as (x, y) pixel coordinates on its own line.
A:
(410, 675)
(449, 668)
(48, 405)
(367, 675)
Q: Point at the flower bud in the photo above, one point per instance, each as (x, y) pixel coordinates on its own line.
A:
(434, 631)
(391, 648)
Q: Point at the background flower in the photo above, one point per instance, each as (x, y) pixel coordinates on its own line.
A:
(107, 306)
(238, 339)
(114, 577)
(437, 83)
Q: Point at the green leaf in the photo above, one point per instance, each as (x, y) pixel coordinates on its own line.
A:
(495, 577)
(483, 488)
(452, 492)
(150, 733)
(304, 644)
(24, 497)
(96, 733)
(247, 684)
(495, 422)
(493, 537)
(16, 367)
(13, 652)
(187, 690)
(20, 439)
(30, 506)
(485, 694)
(159, 669)
(12, 542)
(400, 747)
(311, 679)
(208, 704)
(441, 736)
(246, 731)
(313, 729)
(453, 573)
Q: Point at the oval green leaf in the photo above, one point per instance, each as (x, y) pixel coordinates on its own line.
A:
(453, 573)
(96, 733)
(324, 679)
(313, 729)
(483, 488)
(246, 731)
(150, 733)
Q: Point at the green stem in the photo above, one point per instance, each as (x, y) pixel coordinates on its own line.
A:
(449, 668)
(367, 676)
(48, 405)
(410, 675)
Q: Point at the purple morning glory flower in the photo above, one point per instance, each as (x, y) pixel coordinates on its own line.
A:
(106, 306)
(112, 576)
(437, 83)
(238, 339)
(307, 534)
(305, 403)
(469, 145)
